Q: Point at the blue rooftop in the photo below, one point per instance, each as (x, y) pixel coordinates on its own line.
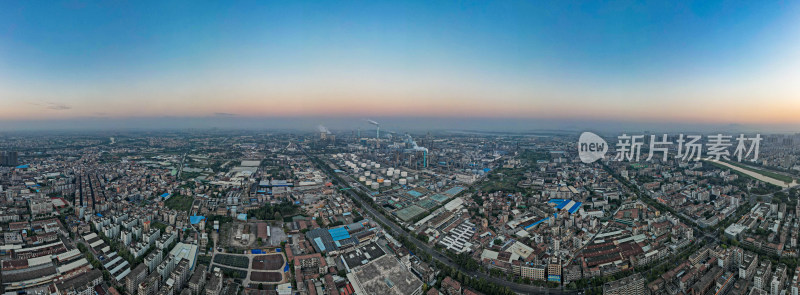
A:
(165, 195)
(575, 207)
(535, 223)
(23, 166)
(339, 234)
(196, 219)
(319, 243)
(562, 203)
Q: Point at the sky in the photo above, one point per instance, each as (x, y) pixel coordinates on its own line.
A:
(77, 63)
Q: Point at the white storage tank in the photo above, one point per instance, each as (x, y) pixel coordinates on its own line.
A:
(377, 165)
(367, 173)
(363, 165)
(362, 178)
(368, 182)
(387, 182)
(389, 173)
(403, 174)
(403, 181)
(375, 185)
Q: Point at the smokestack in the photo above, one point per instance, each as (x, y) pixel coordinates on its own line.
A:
(323, 129)
(378, 125)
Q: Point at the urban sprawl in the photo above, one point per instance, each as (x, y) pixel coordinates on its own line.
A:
(213, 212)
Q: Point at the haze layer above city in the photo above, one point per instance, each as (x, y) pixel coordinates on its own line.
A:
(399, 147)
(509, 66)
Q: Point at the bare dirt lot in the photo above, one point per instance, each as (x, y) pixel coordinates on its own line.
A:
(239, 235)
(268, 262)
(271, 277)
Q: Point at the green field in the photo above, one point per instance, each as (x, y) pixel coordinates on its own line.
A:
(774, 175)
(180, 203)
(158, 225)
(204, 259)
(233, 273)
(232, 260)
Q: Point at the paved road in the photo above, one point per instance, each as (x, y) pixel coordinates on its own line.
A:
(397, 231)
(180, 167)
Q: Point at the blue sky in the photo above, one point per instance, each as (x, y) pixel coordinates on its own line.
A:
(525, 59)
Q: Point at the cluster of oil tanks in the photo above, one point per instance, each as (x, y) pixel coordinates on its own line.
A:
(372, 175)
